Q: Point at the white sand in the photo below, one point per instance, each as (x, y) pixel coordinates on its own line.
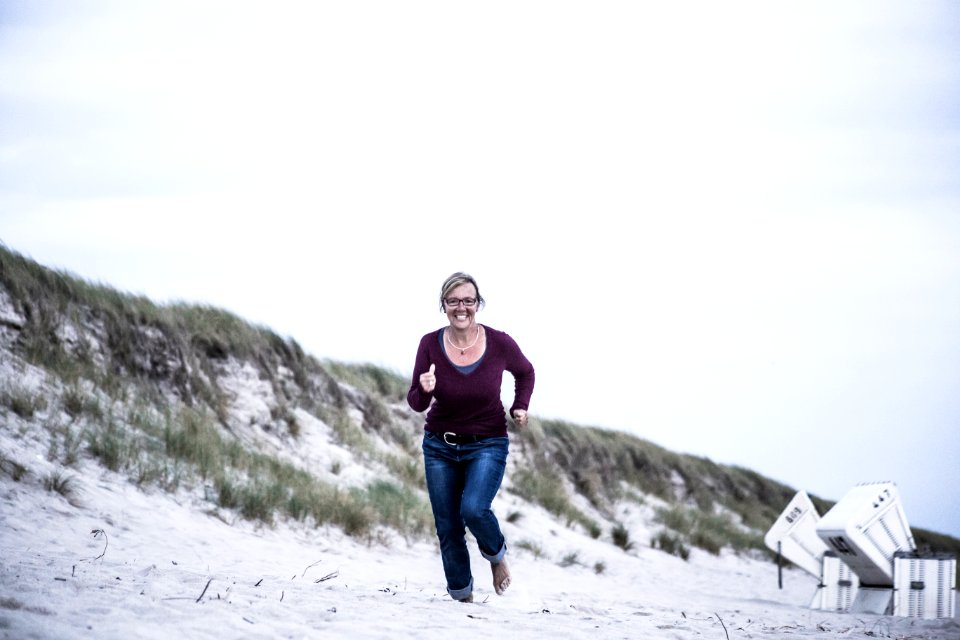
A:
(170, 569)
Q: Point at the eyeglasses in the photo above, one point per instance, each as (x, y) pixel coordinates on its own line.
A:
(453, 303)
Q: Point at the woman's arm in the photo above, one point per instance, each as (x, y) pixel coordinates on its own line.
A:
(523, 375)
(417, 397)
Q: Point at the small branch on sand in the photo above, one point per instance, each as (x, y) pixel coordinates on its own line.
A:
(106, 543)
(329, 576)
(309, 566)
(722, 625)
(258, 582)
(281, 596)
(200, 597)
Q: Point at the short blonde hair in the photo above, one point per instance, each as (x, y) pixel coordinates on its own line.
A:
(454, 281)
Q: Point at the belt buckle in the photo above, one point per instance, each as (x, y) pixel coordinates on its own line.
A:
(449, 433)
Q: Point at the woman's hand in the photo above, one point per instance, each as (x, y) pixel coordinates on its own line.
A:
(428, 381)
(520, 417)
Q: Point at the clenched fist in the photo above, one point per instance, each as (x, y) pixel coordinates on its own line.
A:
(520, 417)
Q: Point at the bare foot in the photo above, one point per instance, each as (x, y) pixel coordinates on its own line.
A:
(469, 598)
(501, 576)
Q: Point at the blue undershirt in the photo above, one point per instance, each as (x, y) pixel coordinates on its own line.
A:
(462, 369)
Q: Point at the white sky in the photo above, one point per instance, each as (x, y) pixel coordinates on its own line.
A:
(730, 228)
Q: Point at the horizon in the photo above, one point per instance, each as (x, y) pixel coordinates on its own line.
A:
(735, 236)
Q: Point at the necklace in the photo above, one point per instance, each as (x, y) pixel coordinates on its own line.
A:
(462, 349)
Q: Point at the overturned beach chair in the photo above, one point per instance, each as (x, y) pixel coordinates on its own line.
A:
(794, 537)
(868, 530)
(865, 556)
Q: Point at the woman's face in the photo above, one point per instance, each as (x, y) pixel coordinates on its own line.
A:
(460, 314)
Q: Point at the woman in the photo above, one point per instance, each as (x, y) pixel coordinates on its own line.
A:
(457, 375)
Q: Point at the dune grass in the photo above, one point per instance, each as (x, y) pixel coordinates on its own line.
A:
(107, 347)
(543, 485)
(602, 465)
(621, 537)
(707, 530)
(190, 446)
(376, 381)
(60, 482)
(22, 400)
(16, 470)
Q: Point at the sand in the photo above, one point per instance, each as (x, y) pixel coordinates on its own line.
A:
(117, 561)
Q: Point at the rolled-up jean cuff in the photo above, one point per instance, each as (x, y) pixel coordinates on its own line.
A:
(498, 558)
(460, 594)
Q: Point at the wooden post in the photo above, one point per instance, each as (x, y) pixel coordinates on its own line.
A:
(779, 566)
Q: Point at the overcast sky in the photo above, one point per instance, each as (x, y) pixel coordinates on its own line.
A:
(730, 228)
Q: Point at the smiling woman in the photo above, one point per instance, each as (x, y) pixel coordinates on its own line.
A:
(457, 375)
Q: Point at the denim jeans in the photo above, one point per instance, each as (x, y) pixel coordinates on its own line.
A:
(462, 480)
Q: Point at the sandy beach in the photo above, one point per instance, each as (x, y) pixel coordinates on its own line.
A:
(115, 561)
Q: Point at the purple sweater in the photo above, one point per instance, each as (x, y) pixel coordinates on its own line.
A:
(469, 403)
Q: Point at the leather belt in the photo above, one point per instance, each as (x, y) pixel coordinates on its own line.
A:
(452, 438)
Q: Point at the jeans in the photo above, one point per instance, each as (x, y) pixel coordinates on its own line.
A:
(462, 480)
